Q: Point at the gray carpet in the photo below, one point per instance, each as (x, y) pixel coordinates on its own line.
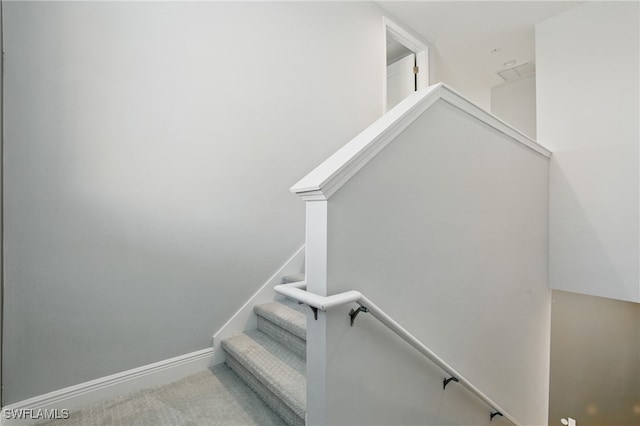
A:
(285, 322)
(271, 359)
(216, 397)
(273, 365)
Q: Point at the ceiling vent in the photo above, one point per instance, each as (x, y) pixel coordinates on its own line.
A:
(517, 72)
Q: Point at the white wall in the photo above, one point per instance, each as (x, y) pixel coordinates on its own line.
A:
(588, 111)
(149, 150)
(460, 78)
(515, 103)
(1, 203)
(446, 230)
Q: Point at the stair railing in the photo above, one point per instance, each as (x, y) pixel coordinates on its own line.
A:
(297, 291)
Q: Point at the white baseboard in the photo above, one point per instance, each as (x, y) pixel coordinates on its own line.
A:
(108, 387)
(244, 319)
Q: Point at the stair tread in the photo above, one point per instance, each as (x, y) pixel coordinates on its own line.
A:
(281, 370)
(295, 305)
(287, 314)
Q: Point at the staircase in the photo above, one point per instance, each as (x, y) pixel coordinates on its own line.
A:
(272, 359)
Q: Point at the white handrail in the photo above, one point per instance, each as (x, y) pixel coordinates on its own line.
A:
(297, 291)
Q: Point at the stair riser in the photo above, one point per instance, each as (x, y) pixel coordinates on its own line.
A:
(282, 336)
(276, 404)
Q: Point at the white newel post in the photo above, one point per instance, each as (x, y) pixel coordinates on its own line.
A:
(316, 276)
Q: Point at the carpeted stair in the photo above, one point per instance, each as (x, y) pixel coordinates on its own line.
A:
(271, 359)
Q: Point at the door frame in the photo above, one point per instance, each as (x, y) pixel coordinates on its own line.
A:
(412, 43)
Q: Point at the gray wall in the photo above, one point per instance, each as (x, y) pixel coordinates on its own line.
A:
(1, 199)
(588, 112)
(515, 103)
(446, 230)
(149, 151)
(595, 360)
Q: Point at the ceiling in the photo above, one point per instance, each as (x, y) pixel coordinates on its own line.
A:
(395, 50)
(477, 38)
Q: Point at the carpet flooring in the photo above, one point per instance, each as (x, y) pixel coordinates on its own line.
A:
(213, 397)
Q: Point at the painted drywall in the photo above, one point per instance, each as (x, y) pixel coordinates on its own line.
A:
(595, 349)
(1, 201)
(463, 80)
(149, 151)
(588, 112)
(515, 103)
(446, 231)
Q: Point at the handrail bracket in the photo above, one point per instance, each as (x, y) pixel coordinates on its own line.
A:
(445, 382)
(315, 312)
(493, 414)
(353, 313)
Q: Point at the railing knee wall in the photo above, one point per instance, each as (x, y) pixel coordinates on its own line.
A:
(445, 227)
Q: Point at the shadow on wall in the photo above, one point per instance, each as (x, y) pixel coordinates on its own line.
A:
(595, 360)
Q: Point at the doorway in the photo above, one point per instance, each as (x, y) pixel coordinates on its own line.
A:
(407, 60)
(401, 77)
